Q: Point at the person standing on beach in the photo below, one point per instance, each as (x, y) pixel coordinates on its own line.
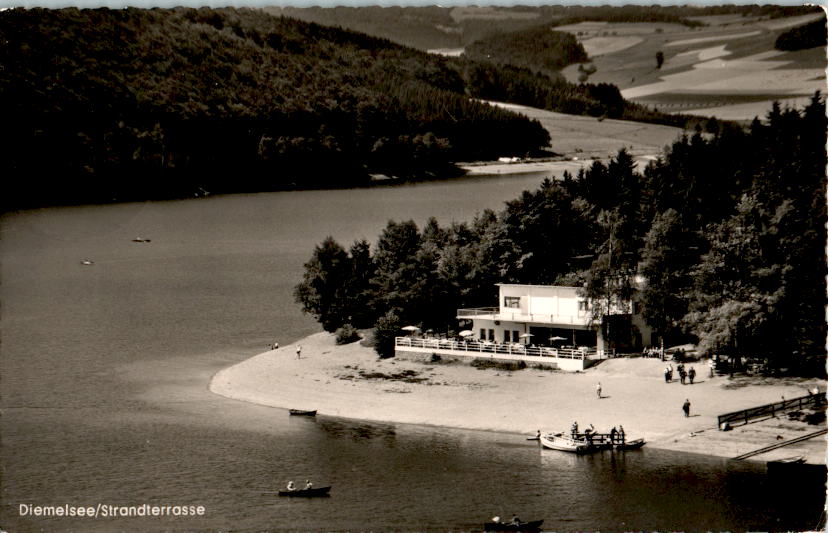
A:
(299, 351)
(598, 390)
(274, 346)
(686, 408)
(691, 374)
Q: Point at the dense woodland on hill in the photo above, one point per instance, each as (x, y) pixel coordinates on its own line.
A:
(102, 105)
(538, 46)
(134, 104)
(728, 229)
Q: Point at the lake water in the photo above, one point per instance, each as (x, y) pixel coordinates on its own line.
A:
(105, 370)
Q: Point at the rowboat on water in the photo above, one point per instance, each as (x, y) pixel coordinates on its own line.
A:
(630, 445)
(302, 412)
(560, 442)
(315, 492)
(526, 527)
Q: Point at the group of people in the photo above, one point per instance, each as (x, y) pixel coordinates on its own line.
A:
(652, 351)
(275, 346)
(617, 436)
(684, 375)
(292, 486)
(515, 520)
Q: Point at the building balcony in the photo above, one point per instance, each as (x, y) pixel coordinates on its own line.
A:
(496, 313)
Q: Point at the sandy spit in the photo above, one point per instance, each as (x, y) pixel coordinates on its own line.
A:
(350, 381)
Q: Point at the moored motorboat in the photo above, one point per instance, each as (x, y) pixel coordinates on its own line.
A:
(630, 445)
(314, 492)
(526, 527)
(302, 412)
(558, 441)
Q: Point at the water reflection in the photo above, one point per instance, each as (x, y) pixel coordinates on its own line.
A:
(357, 431)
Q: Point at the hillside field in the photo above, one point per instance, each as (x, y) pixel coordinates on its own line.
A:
(728, 68)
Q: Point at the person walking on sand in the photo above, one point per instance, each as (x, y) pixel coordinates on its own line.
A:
(686, 408)
(691, 374)
(598, 390)
(299, 351)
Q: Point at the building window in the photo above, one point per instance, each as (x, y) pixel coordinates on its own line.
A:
(583, 305)
(512, 302)
(491, 335)
(516, 335)
(507, 336)
(482, 334)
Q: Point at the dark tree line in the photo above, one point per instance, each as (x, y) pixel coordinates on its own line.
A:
(726, 230)
(540, 47)
(103, 105)
(803, 37)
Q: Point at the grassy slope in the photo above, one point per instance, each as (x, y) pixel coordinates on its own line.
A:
(635, 66)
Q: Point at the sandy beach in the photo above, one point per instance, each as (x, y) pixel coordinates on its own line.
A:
(350, 381)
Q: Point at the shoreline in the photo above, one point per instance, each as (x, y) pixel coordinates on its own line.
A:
(350, 381)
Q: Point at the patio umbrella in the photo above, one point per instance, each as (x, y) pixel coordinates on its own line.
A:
(526, 335)
(557, 338)
(410, 328)
(466, 333)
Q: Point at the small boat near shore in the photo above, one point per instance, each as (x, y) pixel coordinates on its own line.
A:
(314, 492)
(302, 412)
(526, 527)
(560, 442)
(630, 445)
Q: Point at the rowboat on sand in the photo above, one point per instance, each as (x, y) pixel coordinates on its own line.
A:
(302, 412)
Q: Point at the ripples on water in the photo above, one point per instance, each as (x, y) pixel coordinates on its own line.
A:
(105, 369)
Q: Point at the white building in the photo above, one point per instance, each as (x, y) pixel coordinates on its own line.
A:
(550, 315)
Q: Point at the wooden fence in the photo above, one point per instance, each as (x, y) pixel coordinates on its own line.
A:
(772, 409)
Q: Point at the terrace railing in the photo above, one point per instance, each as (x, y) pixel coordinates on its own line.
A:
(772, 409)
(477, 311)
(487, 348)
